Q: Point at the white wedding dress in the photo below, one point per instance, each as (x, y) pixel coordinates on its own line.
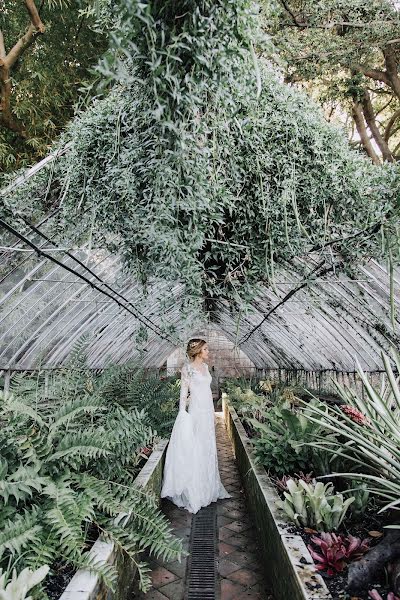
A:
(191, 476)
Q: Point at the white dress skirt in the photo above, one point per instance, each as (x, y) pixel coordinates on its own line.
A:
(191, 476)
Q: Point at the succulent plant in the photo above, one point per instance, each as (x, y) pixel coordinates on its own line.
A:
(335, 551)
(314, 505)
(18, 586)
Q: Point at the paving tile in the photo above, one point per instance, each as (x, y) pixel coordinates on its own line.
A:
(252, 595)
(238, 526)
(245, 577)
(237, 539)
(152, 595)
(232, 512)
(243, 557)
(226, 566)
(178, 568)
(174, 590)
(224, 533)
(161, 576)
(182, 532)
(224, 521)
(225, 548)
(230, 590)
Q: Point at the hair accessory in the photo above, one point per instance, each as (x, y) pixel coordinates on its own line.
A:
(193, 344)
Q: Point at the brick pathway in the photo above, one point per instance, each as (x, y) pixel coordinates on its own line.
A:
(240, 573)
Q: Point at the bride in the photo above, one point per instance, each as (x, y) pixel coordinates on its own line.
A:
(191, 476)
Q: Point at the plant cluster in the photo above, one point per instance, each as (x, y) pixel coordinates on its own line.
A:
(314, 505)
(283, 441)
(368, 436)
(68, 459)
(332, 552)
(281, 483)
(375, 595)
(17, 587)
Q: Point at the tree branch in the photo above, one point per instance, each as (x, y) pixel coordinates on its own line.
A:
(362, 132)
(389, 126)
(35, 28)
(391, 64)
(294, 18)
(370, 119)
(375, 74)
(7, 61)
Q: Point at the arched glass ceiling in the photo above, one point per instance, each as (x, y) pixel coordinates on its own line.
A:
(45, 310)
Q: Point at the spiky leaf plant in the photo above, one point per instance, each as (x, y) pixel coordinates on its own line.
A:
(369, 434)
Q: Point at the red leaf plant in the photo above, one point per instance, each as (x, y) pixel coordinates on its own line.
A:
(145, 450)
(281, 482)
(335, 551)
(376, 596)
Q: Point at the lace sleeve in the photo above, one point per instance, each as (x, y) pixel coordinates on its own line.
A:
(185, 378)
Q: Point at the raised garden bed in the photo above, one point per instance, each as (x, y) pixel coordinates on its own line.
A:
(87, 586)
(286, 558)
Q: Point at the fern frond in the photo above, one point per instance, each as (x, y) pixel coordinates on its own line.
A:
(69, 511)
(21, 483)
(17, 534)
(75, 408)
(84, 445)
(108, 573)
(20, 408)
(147, 525)
(127, 543)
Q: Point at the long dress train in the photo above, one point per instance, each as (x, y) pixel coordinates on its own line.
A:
(191, 477)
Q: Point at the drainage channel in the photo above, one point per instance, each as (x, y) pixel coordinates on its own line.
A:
(201, 578)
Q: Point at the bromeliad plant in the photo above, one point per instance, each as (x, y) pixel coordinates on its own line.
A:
(369, 434)
(314, 505)
(375, 595)
(332, 552)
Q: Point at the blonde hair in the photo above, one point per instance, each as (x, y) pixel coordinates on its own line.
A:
(194, 347)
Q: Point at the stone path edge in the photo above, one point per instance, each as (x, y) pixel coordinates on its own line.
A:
(286, 558)
(86, 585)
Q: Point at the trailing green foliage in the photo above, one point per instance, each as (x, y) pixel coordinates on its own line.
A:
(69, 460)
(199, 148)
(314, 505)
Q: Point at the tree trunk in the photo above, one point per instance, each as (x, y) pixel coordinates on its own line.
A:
(363, 572)
(369, 115)
(8, 60)
(395, 576)
(363, 133)
(391, 70)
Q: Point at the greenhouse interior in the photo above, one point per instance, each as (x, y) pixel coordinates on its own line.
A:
(200, 300)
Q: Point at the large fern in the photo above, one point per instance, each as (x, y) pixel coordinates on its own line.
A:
(69, 453)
